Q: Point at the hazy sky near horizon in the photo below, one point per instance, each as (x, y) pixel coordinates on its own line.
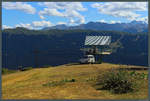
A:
(36, 15)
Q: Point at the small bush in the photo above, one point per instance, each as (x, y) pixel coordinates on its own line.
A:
(53, 83)
(117, 81)
(26, 68)
(72, 80)
(139, 75)
(68, 80)
(7, 71)
(99, 61)
(56, 83)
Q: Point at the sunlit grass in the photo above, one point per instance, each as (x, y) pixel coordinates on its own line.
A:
(29, 84)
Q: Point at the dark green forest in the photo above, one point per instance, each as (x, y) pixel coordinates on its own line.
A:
(37, 48)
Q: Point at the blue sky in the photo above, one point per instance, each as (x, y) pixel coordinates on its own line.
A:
(36, 15)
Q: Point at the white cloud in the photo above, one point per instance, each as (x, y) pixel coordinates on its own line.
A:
(64, 5)
(69, 10)
(143, 19)
(19, 6)
(50, 12)
(41, 24)
(28, 26)
(110, 22)
(121, 9)
(60, 23)
(35, 24)
(6, 27)
(113, 22)
(103, 21)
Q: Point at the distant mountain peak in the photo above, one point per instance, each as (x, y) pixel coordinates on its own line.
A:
(138, 22)
(60, 26)
(133, 27)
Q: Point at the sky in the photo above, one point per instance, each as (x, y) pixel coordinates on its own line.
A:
(37, 15)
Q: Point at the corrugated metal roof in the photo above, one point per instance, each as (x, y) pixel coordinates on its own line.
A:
(97, 40)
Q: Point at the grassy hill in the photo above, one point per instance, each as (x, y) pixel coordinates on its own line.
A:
(64, 82)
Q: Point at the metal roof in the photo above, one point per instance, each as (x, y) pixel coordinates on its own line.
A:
(97, 40)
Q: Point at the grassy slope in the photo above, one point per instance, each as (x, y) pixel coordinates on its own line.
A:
(28, 84)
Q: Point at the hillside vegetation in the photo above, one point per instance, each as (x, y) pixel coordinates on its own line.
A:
(57, 47)
(65, 82)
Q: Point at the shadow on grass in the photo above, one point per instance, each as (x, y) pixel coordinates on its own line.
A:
(58, 83)
(134, 68)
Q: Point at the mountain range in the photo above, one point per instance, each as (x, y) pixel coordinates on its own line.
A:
(131, 27)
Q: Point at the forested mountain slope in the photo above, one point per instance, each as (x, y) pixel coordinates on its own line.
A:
(23, 47)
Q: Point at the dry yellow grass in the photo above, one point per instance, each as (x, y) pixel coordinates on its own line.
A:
(29, 84)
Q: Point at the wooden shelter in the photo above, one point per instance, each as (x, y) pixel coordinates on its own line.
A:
(97, 46)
